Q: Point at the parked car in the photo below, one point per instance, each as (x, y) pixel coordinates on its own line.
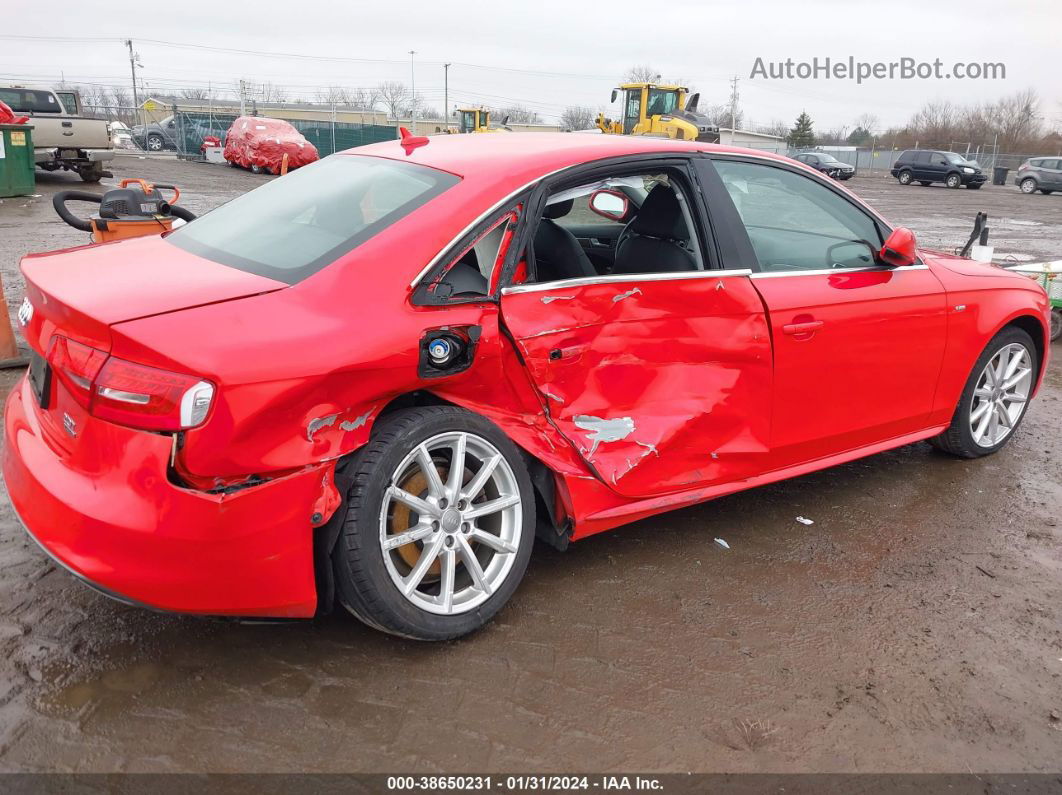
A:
(260, 144)
(121, 135)
(373, 382)
(62, 138)
(157, 136)
(1042, 174)
(927, 166)
(827, 164)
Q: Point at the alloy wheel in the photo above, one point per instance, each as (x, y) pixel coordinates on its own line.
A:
(1028, 186)
(450, 523)
(1001, 395)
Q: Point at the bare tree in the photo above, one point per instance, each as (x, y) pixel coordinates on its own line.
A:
(641, 73)
(395, 97)
(518, 114)
(194, 93)
(333, 95)
(577, 117)
(868, 122)
(271, 92)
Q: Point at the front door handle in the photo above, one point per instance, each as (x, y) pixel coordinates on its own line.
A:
(807, 327)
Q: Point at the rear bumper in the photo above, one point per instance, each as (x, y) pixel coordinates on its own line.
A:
(110, 515)
(48, 155)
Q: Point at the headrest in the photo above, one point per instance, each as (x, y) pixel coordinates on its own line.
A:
(661, 216)
(559, 209)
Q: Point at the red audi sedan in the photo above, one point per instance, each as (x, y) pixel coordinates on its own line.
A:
(375, 381)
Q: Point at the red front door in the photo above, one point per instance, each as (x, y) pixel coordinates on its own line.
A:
(662, 383)
(857, 356)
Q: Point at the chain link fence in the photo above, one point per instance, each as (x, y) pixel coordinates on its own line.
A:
(161, 129)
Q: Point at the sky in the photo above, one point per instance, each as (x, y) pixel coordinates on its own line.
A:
(546, 54)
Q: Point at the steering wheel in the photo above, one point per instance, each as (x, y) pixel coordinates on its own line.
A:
(831, 263)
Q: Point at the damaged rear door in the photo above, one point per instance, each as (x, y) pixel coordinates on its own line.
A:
(662, 382)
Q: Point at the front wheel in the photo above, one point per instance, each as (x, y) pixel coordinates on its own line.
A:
(439, 525)
(953, 181)
(995, 398)
(1056, 323)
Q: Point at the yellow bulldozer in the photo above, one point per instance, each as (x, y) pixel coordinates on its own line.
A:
(477, 120)
(662, 111)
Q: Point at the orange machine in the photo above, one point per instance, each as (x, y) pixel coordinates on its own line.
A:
(134, 209)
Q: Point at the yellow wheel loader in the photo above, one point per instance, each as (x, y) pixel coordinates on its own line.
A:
(477, 120)
(662, 111)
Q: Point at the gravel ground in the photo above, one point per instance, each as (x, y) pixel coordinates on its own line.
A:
(915, 626)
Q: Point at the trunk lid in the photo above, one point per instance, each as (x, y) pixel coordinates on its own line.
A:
(81, 292)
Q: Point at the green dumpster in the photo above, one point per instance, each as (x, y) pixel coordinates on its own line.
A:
(17, 176)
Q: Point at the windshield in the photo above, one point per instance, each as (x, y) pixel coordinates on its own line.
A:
(828, 159)
(25, 100)
(293, 226)
(954, 158)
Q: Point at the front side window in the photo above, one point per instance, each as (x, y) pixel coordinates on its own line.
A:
(661, 102)
(795, 223)
(292, 227)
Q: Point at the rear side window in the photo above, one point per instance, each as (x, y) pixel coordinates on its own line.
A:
(292, 227)
(26, 100)
(905, 156)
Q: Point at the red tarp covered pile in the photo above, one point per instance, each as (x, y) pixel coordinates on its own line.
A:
(263, 142)
(7, 116)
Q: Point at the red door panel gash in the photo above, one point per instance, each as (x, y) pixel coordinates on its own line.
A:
(661, 384)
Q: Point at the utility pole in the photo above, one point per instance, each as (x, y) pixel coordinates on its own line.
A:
(413, 93)
(733, 107)
(446, 96)
(243, 97)
(132, 69)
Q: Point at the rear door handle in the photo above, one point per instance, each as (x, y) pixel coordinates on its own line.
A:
(802, 328)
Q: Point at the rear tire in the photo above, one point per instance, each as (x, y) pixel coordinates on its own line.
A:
(1045, 192)
(424, 589)
(91, 174)
(905, 177)
(1028, 185)
(960, 439)
(1056, 323)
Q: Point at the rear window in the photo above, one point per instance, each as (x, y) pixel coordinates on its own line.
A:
(26, 100)
(292, 227)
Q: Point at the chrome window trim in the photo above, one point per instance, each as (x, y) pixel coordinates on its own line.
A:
(828, 271)
(623, 278)
(478, 220)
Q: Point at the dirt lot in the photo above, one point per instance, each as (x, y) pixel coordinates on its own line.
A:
(915, 626)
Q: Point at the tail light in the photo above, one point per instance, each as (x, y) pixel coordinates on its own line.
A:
(1023, 166)
(128, 393)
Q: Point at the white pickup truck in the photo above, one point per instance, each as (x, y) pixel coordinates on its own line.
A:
(62, 139)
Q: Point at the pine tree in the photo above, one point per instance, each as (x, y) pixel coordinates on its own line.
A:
(802, 135)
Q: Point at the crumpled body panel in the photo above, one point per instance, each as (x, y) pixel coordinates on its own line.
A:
(263, 142)
(661, 385)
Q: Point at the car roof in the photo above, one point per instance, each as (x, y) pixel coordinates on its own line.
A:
(523, 157)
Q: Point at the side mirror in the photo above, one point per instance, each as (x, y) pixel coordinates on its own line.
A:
(691, 103)
(610, 204)
(900, 249)
(613, 95)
